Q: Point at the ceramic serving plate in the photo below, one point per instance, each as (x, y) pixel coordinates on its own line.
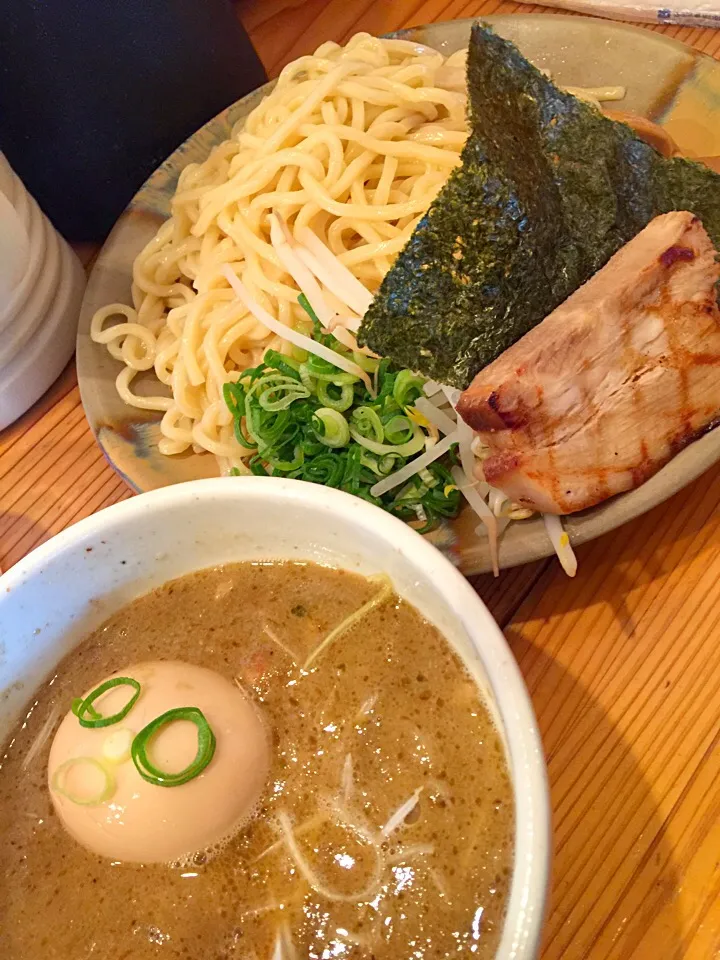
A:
(666, 82)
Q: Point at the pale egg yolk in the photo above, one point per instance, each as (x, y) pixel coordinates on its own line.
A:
(109, 808)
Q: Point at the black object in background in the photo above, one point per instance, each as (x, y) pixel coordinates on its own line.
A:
(94, 94)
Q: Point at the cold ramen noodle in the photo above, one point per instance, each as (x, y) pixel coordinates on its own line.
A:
(262, 760)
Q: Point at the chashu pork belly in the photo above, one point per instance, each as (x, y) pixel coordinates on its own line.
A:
(613, 383)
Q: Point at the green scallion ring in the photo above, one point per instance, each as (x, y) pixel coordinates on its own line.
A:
(106, 791)
(205, 750)
(77, 703)
(88, 715)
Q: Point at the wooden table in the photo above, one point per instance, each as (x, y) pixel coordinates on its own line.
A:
(623, 663)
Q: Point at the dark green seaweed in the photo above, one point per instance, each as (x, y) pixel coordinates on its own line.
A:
(548, 190)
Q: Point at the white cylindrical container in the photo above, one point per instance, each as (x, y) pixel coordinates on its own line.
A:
(41, 288)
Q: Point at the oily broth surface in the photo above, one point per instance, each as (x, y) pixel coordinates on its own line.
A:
(390, 694)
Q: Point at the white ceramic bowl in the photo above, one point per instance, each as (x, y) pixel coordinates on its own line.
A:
(55, 596)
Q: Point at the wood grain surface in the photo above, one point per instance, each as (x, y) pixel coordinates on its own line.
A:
(623, 663)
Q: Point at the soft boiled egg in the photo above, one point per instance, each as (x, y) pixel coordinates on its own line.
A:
(104, 802)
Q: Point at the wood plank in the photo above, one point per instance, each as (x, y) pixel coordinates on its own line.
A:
(52, 472)
(622, 664)
(285, 29)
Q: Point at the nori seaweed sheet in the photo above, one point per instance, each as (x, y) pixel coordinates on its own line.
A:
(548, 190)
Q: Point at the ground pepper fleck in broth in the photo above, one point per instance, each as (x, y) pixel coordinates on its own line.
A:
(390, 695)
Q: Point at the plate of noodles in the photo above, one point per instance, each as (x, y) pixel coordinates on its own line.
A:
(285, 213)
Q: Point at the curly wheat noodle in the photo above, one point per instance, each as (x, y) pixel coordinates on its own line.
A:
(353, 143)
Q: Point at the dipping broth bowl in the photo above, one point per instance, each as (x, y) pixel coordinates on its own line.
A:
(66, 588)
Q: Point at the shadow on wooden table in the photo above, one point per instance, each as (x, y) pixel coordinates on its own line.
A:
(52, 473)
(606, 824)
(622, 572)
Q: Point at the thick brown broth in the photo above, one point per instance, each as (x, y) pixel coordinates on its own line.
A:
(390, 694)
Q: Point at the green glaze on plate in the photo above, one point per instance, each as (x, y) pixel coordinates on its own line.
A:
(666, 82)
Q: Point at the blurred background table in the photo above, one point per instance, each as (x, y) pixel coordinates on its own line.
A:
(623, 663)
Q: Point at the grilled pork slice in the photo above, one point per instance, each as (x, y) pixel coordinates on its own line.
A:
(614, 382)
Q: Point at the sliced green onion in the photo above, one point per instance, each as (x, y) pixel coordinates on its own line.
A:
(398, 430)
(205, 751)
(308, 381)
(257, 468)
(322, 370)
(89, 717)
(415, 445)
(305, 304)
(250, 423)
(407, 387)
(59, 780)
(116, 746)
(412, 491)
(427, 478)
(273, 392)
(325, 468)
(368, 423)
(286, 365)
(287, 465)
(277, 392)
(389, 462)
(340, 403)
(234, 397)
(335, 416)
(335, 430)
(77, 703)
(370, 461)
(368, 364)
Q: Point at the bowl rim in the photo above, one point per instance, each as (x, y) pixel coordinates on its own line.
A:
(532, 832)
